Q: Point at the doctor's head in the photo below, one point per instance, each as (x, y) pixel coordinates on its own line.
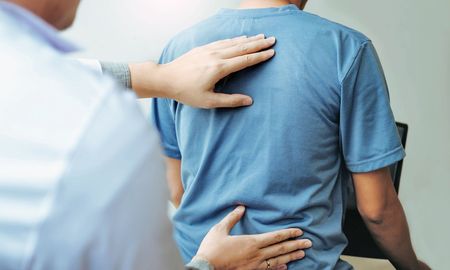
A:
(59, 13)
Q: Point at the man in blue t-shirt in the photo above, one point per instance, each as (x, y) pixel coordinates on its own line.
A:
(321, 116)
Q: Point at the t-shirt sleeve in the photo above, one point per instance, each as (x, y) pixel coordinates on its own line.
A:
(162, 114)
(368, 133)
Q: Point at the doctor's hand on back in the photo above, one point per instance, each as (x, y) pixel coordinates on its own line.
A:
(191, 78)
(272, 250)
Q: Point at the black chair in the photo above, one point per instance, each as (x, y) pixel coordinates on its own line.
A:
(360, 241)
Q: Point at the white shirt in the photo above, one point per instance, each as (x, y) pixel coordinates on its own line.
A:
(81, 174)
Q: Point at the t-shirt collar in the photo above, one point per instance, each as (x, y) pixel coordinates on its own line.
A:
(259, 11)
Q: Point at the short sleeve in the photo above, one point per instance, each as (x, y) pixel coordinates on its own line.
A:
(368, 133)
(162, 114)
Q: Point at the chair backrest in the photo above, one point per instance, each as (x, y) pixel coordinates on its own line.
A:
(360, 241)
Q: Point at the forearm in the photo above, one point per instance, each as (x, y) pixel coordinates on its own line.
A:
(150, 80)
(391, 233)
(173, 175)
(146, 79)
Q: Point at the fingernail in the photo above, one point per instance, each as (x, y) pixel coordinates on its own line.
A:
(248, 102)
(272, 39)
(240, 209)
(308, 243)
(282, 267)
(299, 232)
(260, 36)
(300, 254)
(271, 52)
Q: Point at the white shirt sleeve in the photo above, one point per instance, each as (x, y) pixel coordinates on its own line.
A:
(92, 64)
(110, 208)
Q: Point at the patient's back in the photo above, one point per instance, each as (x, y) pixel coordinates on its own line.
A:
(287, 156)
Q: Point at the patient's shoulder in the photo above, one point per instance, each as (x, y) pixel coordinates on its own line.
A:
(325, 25)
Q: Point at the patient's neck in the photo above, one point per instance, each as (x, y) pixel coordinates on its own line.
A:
(263, 4)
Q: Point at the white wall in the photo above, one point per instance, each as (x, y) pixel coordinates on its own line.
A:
(135, 29)
(413, 41)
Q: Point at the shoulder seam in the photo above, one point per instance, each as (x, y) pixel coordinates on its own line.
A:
(358, 52)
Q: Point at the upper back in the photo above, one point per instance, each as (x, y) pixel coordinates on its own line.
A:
(300, 87)
(303, 39)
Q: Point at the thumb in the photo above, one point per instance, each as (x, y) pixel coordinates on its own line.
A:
(220, 100)
(232, 219)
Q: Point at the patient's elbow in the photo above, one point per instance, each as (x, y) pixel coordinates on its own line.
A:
(374, 214)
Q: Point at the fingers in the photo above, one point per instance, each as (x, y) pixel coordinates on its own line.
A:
(282, 260)
(248, 47)
(285, 248)
(241, 62)
(220, 100)
(281, 267)
(226, 43)
(231, 219)
(278, 267)
(271, 238)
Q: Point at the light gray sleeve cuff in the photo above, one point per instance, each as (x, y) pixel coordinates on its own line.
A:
(119, 71)
(199, 265)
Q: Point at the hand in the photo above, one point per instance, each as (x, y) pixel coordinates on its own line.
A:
(194, 75)
(191, 78)
(250, 252)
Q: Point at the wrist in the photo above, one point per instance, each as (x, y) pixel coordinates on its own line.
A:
(148, 80)
(167, 81)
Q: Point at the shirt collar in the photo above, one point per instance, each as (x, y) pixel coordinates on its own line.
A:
(256, 12)
(38, 27)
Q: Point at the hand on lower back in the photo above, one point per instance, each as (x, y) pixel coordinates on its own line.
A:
(250, 252)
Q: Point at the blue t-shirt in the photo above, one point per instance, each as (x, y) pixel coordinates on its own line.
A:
(321, 111)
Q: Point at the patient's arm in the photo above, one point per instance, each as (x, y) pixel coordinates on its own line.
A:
(383, 214)
(173, 175)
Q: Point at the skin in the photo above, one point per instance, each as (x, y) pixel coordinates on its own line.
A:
(173, 177)
(271, 3)
(196, 73)
(377, 200)
(263, 249)
(59, 14)
(383, 214)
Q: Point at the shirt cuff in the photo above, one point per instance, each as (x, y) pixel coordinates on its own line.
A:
(378, 162)
(119, 71)
(199, 265)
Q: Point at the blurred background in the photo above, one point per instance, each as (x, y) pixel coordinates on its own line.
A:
(413, 41)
